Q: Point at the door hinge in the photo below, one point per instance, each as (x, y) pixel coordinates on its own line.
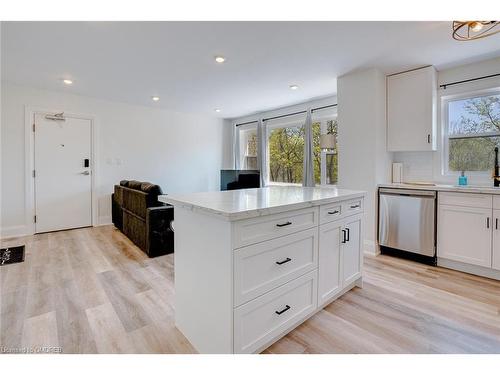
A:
(33, 126)
(34, 219)
(34, 173)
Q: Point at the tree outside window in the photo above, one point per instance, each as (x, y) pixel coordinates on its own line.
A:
(473, 132)
(286, 154)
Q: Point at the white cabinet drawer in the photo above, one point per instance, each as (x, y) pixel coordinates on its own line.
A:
(262, 320)
(351, 207)
(465, 199)
(247, 232)
(330, 212)
(334, 211)
(264, 266)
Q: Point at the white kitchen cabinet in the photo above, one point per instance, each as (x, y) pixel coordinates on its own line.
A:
(339, 256)
(247, 262)
(411, 110)
(266, 317)
(329, 284)
(495, 262)
(264, 266)
(464, 234)
(351, 250)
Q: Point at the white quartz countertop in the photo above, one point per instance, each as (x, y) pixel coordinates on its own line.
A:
(453, 188)
(248, 203)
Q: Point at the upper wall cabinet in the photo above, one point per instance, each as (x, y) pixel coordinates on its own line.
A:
(411, 110)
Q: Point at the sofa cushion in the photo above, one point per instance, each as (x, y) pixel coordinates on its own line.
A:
(133, 184)
(150, 188)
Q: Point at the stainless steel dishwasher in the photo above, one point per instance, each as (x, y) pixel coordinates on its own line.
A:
(407, 220)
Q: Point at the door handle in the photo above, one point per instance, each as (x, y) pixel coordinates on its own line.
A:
(428, 138)
(488, 222)
(343, 236)
(284, 224)
(283, 261)
(496, 223)
(348, 234)
(333, 212)
(86, 173)
(282, 311)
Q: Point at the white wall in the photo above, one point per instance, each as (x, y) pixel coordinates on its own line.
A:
(180, 152)
(427, 166)
(363, 160)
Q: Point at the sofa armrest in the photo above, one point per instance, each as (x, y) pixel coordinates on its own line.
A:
(159, 236)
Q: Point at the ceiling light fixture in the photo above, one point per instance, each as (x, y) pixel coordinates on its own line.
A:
(220, 59)
(67, 81)
(294, 87)
(217, 110)
(472, 30)
(155, 98)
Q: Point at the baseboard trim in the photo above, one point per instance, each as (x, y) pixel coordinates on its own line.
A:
(104, 220)
(469, 268)
(13, 231)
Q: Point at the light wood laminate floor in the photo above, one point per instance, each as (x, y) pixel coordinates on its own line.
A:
(92, 291)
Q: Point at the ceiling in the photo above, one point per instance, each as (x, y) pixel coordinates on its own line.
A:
(132, 61)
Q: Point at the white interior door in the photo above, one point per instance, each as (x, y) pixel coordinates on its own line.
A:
(63, 182)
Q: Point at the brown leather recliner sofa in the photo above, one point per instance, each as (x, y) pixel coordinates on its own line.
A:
(137, 212)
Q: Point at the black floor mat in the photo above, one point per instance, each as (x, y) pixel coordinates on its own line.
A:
(11, 255)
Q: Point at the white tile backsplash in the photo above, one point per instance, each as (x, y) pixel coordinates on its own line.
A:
(417, 166)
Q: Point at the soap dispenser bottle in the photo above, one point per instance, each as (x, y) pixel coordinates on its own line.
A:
(462, 179)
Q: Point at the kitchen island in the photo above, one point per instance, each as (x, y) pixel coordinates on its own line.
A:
(252, 264)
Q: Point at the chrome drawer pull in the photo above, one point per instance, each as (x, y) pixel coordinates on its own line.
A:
(333, 212)
(355, 206)
(284, 224)
(284, 310)
(284, 261)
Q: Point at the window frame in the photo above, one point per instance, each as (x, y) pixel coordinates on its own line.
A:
(239, 129)
(445, 156)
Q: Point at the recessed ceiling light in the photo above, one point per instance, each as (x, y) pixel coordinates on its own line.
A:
(220, 59)
(294, 87)
(155, 98)
(217, 110)
(67, 81)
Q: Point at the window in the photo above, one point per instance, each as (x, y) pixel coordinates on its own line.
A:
(286, 149)
(248, 146)
(472, 132)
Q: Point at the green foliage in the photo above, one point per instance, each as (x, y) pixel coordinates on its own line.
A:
(475, 154)
(286, 154)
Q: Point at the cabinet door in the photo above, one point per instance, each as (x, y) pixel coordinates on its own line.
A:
(464, 234)
(351, 250)
(411, 110)
(329, 282)
(496, 240)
